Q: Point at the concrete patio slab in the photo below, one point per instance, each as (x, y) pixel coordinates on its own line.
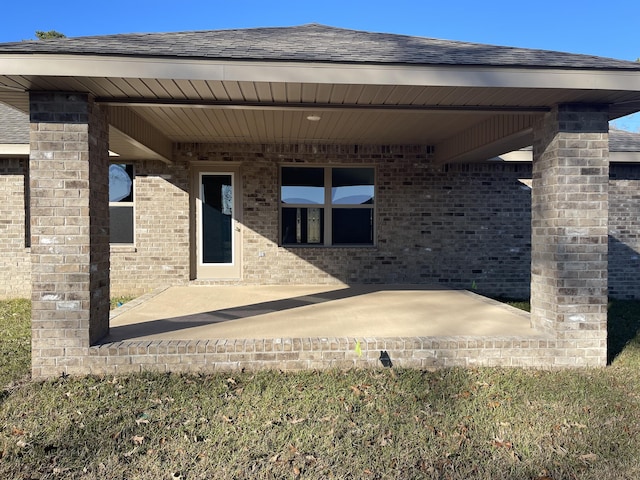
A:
(250, 312)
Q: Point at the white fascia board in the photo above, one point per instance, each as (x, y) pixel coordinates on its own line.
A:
(14, 149)
(24, 149)
(624, 157)
(330, 73)
(527, 156)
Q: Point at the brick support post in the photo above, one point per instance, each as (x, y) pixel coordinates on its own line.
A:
(69, 180)
(569, 232)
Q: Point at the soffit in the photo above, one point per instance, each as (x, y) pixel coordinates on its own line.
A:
(413, 105)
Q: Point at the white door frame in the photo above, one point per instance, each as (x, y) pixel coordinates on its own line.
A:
(218, 271)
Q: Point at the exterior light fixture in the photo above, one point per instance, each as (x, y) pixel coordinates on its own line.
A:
(314, 118)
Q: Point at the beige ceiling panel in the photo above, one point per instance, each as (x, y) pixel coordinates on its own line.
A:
(323, 93)
(218, 91)
(233, 91)
(294, 92)
(263, 92)
(183, 89)
(165, 88)
(145, 88)
(279, 92)
(248, 91)
(202, 89)
(352, 94)
(339, 93)
(309, 93)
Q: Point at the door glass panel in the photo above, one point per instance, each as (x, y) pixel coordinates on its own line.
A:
(217, 216)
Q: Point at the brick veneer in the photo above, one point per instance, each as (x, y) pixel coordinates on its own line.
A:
(315, 353)
(624, 231)
(161, 252)
(15, 261)
(457, 226)
(69, 229)
(569, 231)
(160, 256)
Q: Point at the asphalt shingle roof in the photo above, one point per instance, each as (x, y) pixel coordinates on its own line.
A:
(623, 141)
(314, 43)
(14, 126)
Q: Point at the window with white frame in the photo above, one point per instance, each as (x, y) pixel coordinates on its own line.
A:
(121, 207)
(331, 206)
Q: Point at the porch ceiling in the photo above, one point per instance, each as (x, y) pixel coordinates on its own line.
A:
(265, 112)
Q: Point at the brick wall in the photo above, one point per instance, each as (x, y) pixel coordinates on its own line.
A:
(569, 231)
(435, 225)
(624, 231)
(160, 255)
(15, 264)
(68, 170)
(481, 238)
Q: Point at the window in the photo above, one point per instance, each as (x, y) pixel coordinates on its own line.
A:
(327, 205)
(121, 215)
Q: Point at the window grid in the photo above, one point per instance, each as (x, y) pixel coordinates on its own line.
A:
(326, 211)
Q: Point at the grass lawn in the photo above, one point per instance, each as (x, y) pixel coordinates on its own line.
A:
(377, 424)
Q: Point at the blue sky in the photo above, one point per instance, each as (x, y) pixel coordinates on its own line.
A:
(577, 26)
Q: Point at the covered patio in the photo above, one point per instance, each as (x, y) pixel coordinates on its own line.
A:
(197, 328)
(246, 312)
(250, 114)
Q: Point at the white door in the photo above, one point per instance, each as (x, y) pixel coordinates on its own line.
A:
(218, 243)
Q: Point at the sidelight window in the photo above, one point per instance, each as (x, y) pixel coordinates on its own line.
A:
(121, 212)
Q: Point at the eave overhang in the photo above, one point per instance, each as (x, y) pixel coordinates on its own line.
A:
(314, 72)
(136, 87)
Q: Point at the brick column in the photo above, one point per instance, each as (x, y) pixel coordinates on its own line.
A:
(569, 231)
(69, 179)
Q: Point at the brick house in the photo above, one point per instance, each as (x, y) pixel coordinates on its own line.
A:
(316, 155)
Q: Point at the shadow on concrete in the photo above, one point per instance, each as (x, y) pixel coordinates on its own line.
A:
(363, 310)
(153, 327)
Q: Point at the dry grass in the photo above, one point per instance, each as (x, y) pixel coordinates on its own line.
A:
(448, 424)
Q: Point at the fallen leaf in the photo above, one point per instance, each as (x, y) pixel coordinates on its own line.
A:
(465, 394)
(296, 471)
(21, 443)
(588, 457)
(137, 439)
(560, 450)
(17, 431)
(130, 452)
(499, 443)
